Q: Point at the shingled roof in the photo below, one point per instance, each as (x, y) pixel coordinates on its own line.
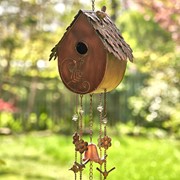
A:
(107, 32)
(110, 35)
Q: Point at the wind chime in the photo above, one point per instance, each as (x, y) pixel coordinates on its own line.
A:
(92, 57)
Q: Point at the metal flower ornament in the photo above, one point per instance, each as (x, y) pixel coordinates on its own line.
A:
(92, 57)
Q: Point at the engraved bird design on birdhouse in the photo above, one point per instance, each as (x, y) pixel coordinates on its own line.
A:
(92, 54)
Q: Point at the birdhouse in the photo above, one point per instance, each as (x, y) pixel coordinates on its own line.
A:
(92, 57)
(92, 54)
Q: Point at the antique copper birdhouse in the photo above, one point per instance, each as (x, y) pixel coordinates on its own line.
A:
(92, 54)
(92, 57)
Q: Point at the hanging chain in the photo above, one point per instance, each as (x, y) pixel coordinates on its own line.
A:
(91, 133)
(76, 129)
(105, 116)
(81, 111)
(100, 131)
(75, 174)
(80, 118)
(93, 5)
(91, 118)
(105, 142)
(91, 171)
(80, 173)
(105, 103)
(76, 111)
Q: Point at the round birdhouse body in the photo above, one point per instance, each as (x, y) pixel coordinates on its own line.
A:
(81, 58)
(92, 57)
(88, 60)
(114, 74)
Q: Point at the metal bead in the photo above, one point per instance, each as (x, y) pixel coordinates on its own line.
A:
(100, 108)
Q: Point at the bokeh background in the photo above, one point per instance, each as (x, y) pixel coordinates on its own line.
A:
(36, 109)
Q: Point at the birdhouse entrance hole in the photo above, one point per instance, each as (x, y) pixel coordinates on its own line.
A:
(81, 48)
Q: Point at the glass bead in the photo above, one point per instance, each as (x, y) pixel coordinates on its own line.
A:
(81, 111)
(105, 120)
(100, 108)
(75, 117)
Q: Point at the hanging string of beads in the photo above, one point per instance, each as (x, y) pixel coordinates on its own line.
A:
(91, 117)
(100, 109)
(81, 111)
(75, 168)
(105, 142)
(75, 118)
(105, 122)
(91, 134)
(80, 145)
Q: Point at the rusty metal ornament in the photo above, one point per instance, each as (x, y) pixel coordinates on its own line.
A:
(105, 142)
(92, 154)
(105, 173)
(92, 58)
(81, 146)
(75, 138)
(78, 167)
(92, 54)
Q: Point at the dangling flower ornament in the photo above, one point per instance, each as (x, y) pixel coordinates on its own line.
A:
(81, 146)
(105, 142)
(75, 138)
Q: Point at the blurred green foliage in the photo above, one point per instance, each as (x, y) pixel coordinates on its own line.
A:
(148, 97)
(156, 103)
(45, 156)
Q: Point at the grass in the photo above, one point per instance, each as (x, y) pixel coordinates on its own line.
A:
(48, 157)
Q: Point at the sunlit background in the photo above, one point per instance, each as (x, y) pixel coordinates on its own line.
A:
(36, 109)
